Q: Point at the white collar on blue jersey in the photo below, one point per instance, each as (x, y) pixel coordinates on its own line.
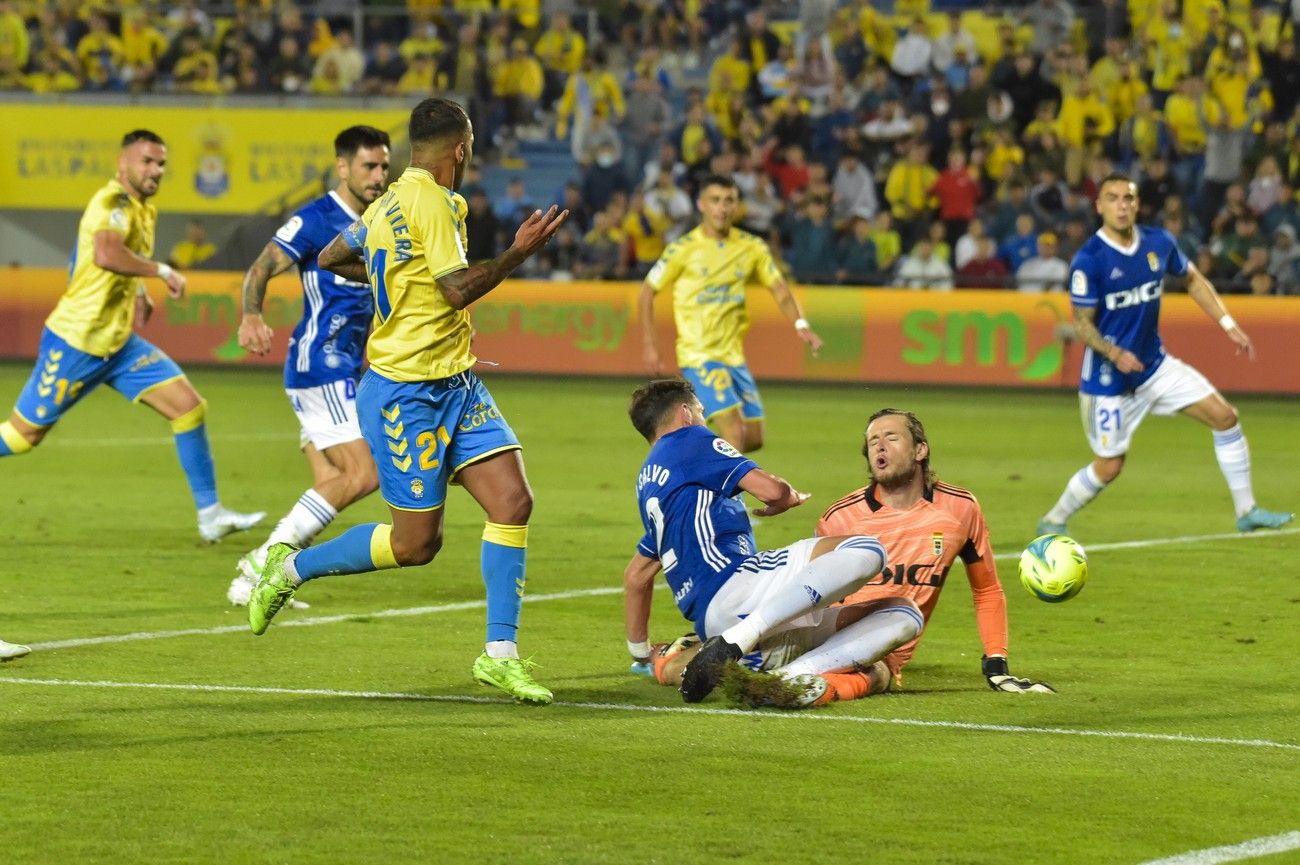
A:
(1129, 250)
(343, 204)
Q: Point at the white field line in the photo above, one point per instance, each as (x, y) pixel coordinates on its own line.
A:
(554, 596)
(669, 710)
(1252, 849)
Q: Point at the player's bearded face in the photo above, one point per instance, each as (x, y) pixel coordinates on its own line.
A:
(893, 457)
(366, 173)
(144, 164)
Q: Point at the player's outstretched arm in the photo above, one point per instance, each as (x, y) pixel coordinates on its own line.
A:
(343, 257)
(1202, 291)
(254, 333)
(1085, 325)
(112, 254)
(463, 287)
(638, 592)
(776, 494)
(789, 305)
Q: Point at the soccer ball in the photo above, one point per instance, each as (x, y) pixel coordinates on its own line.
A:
(1053, 568)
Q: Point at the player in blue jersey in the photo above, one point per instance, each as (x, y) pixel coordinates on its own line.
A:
(1116, 280)
(326, 350)
(739, 599)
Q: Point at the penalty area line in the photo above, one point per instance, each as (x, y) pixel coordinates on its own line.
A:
(1179, 738)
(401, 612)
(1252, 849)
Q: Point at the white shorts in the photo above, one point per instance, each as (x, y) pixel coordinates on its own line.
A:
(1110, 421)
(327, 413)
(759, 576)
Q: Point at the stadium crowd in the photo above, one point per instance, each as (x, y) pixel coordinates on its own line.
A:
(917, 148)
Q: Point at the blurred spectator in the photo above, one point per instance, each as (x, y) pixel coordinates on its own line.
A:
(514, 204)
(1045, 271)
(15, 42)
(1005, 156)
(349, 62)
(579, 213)
(1187, 241)
(854, 190)
(789, 171)
(561, 50)
(384, 71)
(1247, 280)
(758, 44)
(51, 76)
(857, 254)
(1051, 20)
(1225, 154)
(816, 74)
(1265, 188)
(761, 207)
(290, 69)
(778, 76)
(1145, 135)
(908, 191)
(1021, 245)
(646, 122)
(791, 126)
(1025, 87)
(1234, 246)
(958, 194)
(1284, 260)
(424, 40)
(1284, 212)
(599, 135)
(1075, 236)
(645, 230)
(910, 59)
(482, 227)
(669, 201)
(971, 103)
(1282, 68)
(1048, 197)
(420, 76)
(603, 250)
(956, 39)
(1001, 222)
(813, 252)
(100, 53)
(589, 93)
(923, 269)
(665, 162)
(689, 138)
(731, 73)
(984, 269)
(603, 178)
(143, 47)
(939, 241)
(885, 239)
(1272, 143)
(561, 258)
(1190, 113)
(964, 249)
(517, 82)
(194, 249)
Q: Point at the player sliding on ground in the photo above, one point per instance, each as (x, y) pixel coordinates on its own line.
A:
(1116, 280)
(326, 352)
(89, 338)
(926, 526)
(425, 415)
(741, 600)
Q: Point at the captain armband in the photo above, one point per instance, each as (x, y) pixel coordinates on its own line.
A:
(355, 237)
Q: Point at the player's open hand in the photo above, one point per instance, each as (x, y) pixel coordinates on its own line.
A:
(175, 284)
(255, 334)
(808, 335)
(650, 358)
(539, 228)
(795, 499)
(1243, 342)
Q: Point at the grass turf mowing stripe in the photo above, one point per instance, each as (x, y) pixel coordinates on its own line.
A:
(554, 596)
(1252, 849)
(667, 710)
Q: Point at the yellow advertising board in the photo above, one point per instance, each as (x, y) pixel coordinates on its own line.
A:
(219, 160)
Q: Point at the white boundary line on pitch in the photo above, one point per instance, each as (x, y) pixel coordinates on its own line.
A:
(1252, 849)
(664, 710)
(402, 612)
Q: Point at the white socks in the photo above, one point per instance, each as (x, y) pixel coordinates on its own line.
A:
(1233, 454)
(863, 642)
(826, 579)
(1083, 487)
(502, 649)
(301, 525)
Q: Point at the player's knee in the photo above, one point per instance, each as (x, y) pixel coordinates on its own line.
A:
(416, 551)
(1108, 469)
(515, 512)
(1227, 417)
(363, 480)
(190, 418)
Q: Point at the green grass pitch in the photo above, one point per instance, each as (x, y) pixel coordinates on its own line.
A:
(1175, 728)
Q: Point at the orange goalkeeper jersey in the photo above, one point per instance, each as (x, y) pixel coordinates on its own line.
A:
(923, 542)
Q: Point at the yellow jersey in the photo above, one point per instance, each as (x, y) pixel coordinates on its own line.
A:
(709, 277)
(97, 309)
(415, 234)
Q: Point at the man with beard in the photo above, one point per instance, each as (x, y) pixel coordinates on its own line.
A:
(326, 351)
(925, 526)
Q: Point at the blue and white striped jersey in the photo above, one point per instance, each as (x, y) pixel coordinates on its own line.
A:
(1124, 286)
(329, 343)
(695, 523)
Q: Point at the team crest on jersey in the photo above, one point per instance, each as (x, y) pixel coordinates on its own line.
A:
(937, 540)
(724, 448)
(417, 488)
(1153, 262)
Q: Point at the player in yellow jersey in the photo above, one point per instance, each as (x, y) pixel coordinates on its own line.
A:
(89, 338)
(426, 416)
(708, 269)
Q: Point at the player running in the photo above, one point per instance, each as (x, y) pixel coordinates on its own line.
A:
(1116, 280)
(926, 526)
(89, 338)
(425, 415)
(742, 601)
(708, 269)
(326, 350)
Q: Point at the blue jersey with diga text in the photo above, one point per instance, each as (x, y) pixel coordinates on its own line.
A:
(1124, 286)
(695, 523)
(329, 343)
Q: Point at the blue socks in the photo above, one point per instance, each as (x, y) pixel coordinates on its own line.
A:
(505, 549)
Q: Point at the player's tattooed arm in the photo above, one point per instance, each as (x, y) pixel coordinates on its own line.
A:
(1085, 325)
(271, 262)
(463, 287)
(345, 254)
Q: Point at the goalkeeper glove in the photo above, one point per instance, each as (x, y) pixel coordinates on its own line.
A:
(1000, 679)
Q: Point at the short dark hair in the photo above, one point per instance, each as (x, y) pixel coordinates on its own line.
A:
(719, 180)
(352, 139)
(652, 400)
(914, 427)
(1113, 177)
(141, 135)
(437, 118)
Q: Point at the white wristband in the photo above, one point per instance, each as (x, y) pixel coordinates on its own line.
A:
(164, 270)
(1227, 322)
(801, 324)
(639, 650)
